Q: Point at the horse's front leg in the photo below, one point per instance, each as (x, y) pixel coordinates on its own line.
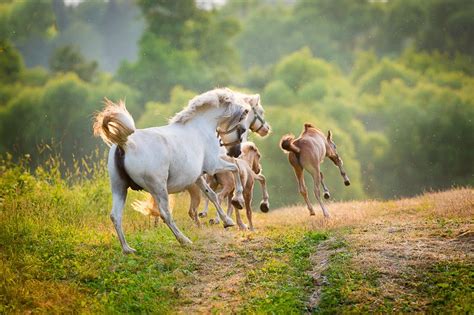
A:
(213, 198)
(238, 198)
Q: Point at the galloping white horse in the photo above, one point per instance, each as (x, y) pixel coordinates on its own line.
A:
(169, 159)
(254, 122)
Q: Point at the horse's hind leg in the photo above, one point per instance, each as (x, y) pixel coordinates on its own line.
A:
(119, 195)
(326, 193)
(301, 184)
(317, 193)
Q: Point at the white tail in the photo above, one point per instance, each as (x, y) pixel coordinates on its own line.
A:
(114, 124)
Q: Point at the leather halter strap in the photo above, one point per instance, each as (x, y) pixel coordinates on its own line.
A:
(255, 118)
(240, 130)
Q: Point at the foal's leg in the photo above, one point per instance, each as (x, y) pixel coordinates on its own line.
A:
(119, 195)
(316, 174)
(301, 184)
(325, 189)
(238, 199)
(213, 184)
(195, 195)
(213, 197)
(248, 204)
(225, 193)
(161, 195)
(265, 204)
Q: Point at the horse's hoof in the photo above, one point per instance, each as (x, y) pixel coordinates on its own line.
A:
(237, 204)
(264, 207)
(347, 182)
(214, 221)
(312, 213)
(228, 223)
(202, 214)
(185, 241)
(327, 195)
(129, 250)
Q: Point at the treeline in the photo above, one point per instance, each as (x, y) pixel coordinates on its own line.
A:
(392, 80)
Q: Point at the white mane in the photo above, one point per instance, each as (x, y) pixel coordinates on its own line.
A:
(215, 98)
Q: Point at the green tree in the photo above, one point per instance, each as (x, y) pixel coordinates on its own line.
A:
(69, 59)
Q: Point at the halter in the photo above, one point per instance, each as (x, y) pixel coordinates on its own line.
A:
(255, 118)
(240, 131)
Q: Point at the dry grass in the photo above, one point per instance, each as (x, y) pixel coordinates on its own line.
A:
(396, 240)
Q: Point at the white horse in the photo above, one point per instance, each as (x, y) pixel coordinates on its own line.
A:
(254, 122)
(168, 159)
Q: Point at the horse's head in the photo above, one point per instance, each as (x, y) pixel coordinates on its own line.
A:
(332, 154)
(256, 118)
(232, 128)
(251, 154)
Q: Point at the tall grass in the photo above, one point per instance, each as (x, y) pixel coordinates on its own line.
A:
(58, 250)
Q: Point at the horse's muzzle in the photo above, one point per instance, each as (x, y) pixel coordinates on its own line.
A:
(234, 151)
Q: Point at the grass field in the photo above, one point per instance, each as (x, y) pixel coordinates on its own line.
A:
(59, 254)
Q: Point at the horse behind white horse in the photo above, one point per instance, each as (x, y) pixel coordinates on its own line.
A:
(168, 159)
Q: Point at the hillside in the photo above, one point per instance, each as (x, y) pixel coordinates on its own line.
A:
(59, 253)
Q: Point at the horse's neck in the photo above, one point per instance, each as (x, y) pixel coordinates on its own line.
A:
(206, 123)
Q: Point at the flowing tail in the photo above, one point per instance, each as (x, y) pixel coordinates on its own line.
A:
(114, 124)
(286, 143)
(149, 207)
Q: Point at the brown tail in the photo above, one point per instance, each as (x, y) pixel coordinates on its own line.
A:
(286, 143)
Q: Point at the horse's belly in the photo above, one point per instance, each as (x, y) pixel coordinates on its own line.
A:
(180, 178)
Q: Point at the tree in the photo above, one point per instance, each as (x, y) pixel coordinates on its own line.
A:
(69, 59)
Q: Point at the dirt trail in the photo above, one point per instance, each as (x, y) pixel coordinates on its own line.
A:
(222, 263)
(394, 237)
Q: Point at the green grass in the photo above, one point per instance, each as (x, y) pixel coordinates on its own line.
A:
(281, 283)
(59, 252)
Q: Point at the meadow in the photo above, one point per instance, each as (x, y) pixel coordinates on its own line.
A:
(59, 254)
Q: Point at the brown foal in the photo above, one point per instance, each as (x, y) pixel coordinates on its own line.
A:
(249, 170)
(307, 152)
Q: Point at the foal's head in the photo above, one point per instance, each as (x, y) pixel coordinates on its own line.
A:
(251, 154)
(332, 154)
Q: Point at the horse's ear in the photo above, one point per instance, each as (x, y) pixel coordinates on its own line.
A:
(256, 99)
(329, 135)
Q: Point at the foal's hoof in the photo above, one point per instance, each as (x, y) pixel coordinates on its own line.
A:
(214, 221)
(202, 214)
(347, 182)
(327, 195)
(237, 204)
(264, 207)
(243, 227)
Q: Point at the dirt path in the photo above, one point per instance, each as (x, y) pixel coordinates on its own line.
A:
(396, 240)
(222, 263)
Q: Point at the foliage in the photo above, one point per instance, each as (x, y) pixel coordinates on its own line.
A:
(68, 59)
